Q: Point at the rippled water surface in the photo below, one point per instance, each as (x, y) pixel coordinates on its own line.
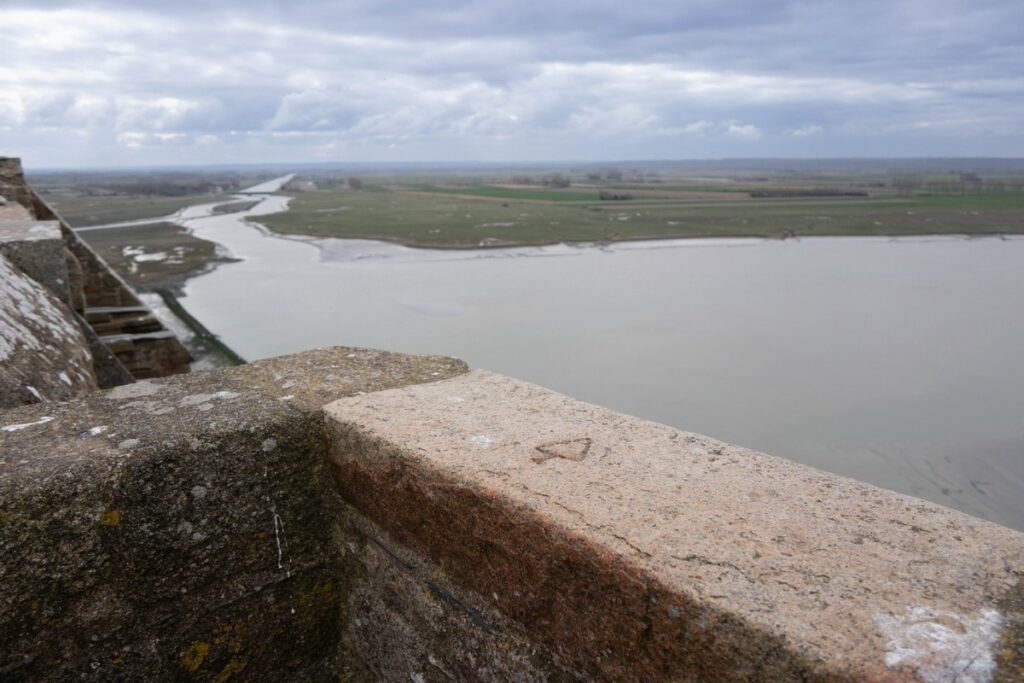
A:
(898, 362)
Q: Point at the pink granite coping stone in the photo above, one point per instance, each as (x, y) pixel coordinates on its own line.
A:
(642, 552)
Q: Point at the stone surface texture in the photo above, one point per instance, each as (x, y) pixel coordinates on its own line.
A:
(637, 552)
(185, 528)
(13, 187)
(43, 354)
(37, 248)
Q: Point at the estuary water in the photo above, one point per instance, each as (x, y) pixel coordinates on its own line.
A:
(895, 361)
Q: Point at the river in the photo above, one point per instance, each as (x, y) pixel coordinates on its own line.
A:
(894, 361)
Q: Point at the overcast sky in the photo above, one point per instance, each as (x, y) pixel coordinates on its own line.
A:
(196, 81)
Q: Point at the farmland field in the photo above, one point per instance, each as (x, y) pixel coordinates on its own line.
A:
(82, 211)
(470, 217)
(153, 255)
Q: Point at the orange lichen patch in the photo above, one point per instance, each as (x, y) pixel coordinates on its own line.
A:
(232, 633)
(193, 657)
(321, 594)
(233, 667)
(111, 518)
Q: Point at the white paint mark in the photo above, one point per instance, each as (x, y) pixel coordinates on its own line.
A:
(35, 392)
(226, 395)
(18, 427)
(286, 398)
(942, 646)
(278, 531)
(483, 440)
(96, 431)
(63, 376)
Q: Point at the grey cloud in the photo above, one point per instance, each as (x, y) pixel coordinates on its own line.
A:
(142, 79)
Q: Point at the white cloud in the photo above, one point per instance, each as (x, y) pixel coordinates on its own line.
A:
(743, 131)
(806, 131)
(132, 139)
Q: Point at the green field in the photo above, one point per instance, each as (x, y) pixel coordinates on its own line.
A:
(523, 193)
(470, 216)
(514, 206)
(82, 211)
(235, 207)
(153, 255)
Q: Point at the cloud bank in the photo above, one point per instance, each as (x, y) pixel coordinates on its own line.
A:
(124, 83)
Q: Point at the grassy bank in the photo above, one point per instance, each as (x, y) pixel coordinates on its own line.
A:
(155, 254)
(83, 211)
(466, 217)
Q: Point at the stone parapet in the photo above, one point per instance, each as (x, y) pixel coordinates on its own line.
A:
(43, 353)
(42, 245)
(624, 550)
(37, 248)
(185, 528)
(430, 525)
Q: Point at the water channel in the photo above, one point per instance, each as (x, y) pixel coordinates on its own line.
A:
(894, 361)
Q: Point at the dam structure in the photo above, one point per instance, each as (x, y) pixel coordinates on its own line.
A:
(350, 514)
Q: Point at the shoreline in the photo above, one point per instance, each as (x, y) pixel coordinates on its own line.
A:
(170, 291)
(201, 332)
(443, 246)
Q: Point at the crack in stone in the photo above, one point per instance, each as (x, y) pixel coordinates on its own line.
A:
(699, 559)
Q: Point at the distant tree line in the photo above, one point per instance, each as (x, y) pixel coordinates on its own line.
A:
(609, 196)
(554, 180)
(164, 188)
(615, 175)
(960, 183)
(807, 192)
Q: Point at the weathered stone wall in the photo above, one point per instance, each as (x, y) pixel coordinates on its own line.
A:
(433, 525)
(43, 354)
(12, 182)
(101, 286)
(45, 247)
(183, 529)
(37, 248)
